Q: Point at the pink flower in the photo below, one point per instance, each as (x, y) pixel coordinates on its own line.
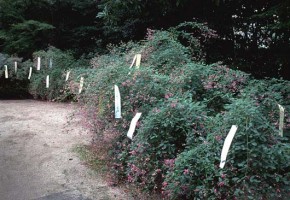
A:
(218, 137)
(221, 184)
(164, 184)
(186, 171)
(130, 179)
(173, 105)
(158, 170)
(168, 95)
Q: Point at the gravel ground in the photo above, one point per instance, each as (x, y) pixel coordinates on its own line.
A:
(36, 158)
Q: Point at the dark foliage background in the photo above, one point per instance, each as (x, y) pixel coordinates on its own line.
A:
(252, 36)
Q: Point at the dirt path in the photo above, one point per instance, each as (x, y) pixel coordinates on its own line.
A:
(36, 158)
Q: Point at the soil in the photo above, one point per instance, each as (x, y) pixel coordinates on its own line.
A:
(36, 157)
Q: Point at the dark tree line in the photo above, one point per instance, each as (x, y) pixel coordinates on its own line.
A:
(253, 35)
(30, 25)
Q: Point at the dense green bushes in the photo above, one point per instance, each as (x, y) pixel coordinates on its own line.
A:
(187, 110)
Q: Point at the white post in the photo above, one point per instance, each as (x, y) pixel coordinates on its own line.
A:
(30, 73)
(138, 60)
(47, 81)
(67, 76)
(133, 125)
(134, 59)
(117, 103)
(38, 63)
(227, 144)
(50, 63)
(81, 85)
(6, 71)
(15, 65)
(281, 121)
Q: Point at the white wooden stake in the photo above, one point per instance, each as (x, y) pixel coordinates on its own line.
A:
(30, 73)
(15, 65)
(281, 122)
(47, 81)
(6, 71)
(67, 76)
(133, 125)
(38, 63)
(81, 85)
(117, 103)
(227, 145)
(138, 60)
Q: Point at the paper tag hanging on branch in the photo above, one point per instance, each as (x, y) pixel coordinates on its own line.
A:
(67, 76)
(281, 121)
(133, 125)
(30, 73)
(138, 60)
(81, 85)
(47, 81)
(117, 103)
(15, 67)
(38, 63)
(6, 71)
(227, 144)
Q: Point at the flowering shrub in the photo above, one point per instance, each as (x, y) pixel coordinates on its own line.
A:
(257, 159)
(187, 110)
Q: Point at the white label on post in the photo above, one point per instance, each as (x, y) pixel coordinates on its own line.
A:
(281, 122)
(133, 125)
(67, 76)
(134, 59)
(227, 144)
(6, 71)
(50, 63)
(117, 103)
(15, 64)
(38, 63)
(47, 81)
(138, 60)
(30, 72)
(81, 85)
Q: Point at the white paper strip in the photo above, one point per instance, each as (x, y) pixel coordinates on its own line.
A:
(81, 85)
(134, 59)
(50, 63)
(67, 76)
(47, 81)
(227, 144)
(30, 72)
(281, 122)
(38, 63)
(6, 71)
(133, 125)
(138, 60)
(15, 65)
(117, 103)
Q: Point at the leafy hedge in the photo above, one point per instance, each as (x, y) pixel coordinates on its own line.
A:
(187, 110)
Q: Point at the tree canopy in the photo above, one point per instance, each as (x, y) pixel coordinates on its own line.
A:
(251, 35)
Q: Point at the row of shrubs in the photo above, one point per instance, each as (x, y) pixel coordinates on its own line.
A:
(187, 109)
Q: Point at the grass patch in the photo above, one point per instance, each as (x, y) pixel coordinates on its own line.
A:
(89, 156)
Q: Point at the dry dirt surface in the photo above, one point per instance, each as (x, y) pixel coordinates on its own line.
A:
(36, 157)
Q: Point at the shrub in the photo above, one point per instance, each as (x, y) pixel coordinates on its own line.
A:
(257, 159)
(187, 110)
